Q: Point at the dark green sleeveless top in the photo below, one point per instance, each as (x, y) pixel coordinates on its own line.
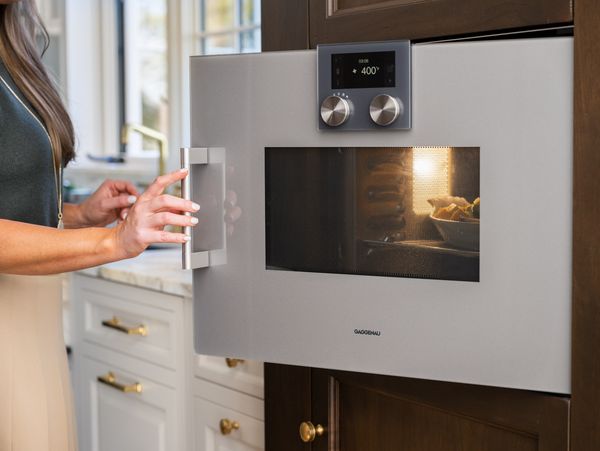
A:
(27, 182)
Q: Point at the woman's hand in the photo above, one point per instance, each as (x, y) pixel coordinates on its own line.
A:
(153, 211)
(108, 203)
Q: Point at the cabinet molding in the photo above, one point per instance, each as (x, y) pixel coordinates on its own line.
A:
(302, 24)
(371, 20)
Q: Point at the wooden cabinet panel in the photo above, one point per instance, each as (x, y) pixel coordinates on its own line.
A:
(364, 412)
(287, 404)
(284, 25)
(300, 24)
(383, 413)
(585, 433)
(371, 20)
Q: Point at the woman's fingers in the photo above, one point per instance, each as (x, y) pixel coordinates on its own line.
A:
(165, 218)
(167, 237)
(163, 181)
(118, 202)
(166, 202)
(123, 186)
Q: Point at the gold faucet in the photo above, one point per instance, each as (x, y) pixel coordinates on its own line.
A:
(163, 145)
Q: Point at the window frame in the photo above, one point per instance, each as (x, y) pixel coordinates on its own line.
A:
(238, 28)
(94, 100)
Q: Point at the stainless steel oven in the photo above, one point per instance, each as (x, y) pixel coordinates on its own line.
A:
(387, 208)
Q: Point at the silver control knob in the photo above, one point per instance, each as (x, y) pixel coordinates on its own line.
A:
(335, 110)
(385, 109)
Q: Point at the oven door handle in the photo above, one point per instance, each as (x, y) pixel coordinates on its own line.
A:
(207, 164)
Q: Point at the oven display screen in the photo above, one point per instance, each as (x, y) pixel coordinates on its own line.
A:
(363, 70)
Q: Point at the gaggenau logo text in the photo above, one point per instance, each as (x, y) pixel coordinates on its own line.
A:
(376, 333)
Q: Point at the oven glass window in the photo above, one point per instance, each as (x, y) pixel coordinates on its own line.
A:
(383, 211)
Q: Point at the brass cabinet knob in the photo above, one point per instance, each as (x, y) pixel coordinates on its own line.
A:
(308, 431)
(232, 363)
(227, 426)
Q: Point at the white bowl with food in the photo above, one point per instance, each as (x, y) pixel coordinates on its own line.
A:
(457, 221)
(458, 234)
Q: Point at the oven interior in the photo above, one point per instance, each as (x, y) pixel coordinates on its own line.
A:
(380, 211)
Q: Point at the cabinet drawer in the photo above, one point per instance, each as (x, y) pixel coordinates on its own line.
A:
(219, 428)
(245, 376)
(133, 321)
(110, 419)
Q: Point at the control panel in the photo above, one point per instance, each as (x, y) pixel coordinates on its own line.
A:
(365, 86)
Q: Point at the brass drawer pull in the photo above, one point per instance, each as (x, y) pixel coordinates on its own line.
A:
(110, 380)
(228, 426)
(308, 431)
(232, 363)
(115, 323)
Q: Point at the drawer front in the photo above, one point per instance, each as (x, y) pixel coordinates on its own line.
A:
(245, 376)
(114, 416)
(133, 321)
(219, 428)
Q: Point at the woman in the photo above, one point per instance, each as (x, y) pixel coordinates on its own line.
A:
(39, 236)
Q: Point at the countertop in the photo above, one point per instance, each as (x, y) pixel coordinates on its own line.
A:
(158, 270)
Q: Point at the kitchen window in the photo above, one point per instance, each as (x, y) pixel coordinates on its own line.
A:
(143, 69)
(222, 26)
(134, 54)
(229, 26)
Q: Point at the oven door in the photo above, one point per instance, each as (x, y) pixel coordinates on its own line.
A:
(442, 252)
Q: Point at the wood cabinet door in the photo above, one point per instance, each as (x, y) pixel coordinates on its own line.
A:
(367, 412)
(111, 420)
(364, 412)
(301, 24)
(371, 20)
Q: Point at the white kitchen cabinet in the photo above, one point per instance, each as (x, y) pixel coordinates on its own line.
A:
(116, 420)
(242, 375)
(141, 323)
(246, 434)
(184, 396)
(109, 419)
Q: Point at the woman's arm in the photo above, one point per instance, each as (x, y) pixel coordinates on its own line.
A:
(32, 249)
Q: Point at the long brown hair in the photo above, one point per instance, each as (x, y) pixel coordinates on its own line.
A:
(21, 30)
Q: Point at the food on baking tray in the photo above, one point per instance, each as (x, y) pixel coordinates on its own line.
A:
(455, 208)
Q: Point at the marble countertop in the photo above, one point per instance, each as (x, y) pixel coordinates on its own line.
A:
(158, 270)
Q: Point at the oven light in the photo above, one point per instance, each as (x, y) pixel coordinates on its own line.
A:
(430, 176)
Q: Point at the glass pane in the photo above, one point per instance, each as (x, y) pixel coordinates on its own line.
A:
(146, 65)
(218, 15)
(250, 41)
(399, 212)
(219, 44)
(250, 12)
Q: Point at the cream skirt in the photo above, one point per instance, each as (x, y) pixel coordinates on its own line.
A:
(36, 412)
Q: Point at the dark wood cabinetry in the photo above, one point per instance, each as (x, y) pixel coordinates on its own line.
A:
(363, 412)
(370, 20)
(297, 24)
